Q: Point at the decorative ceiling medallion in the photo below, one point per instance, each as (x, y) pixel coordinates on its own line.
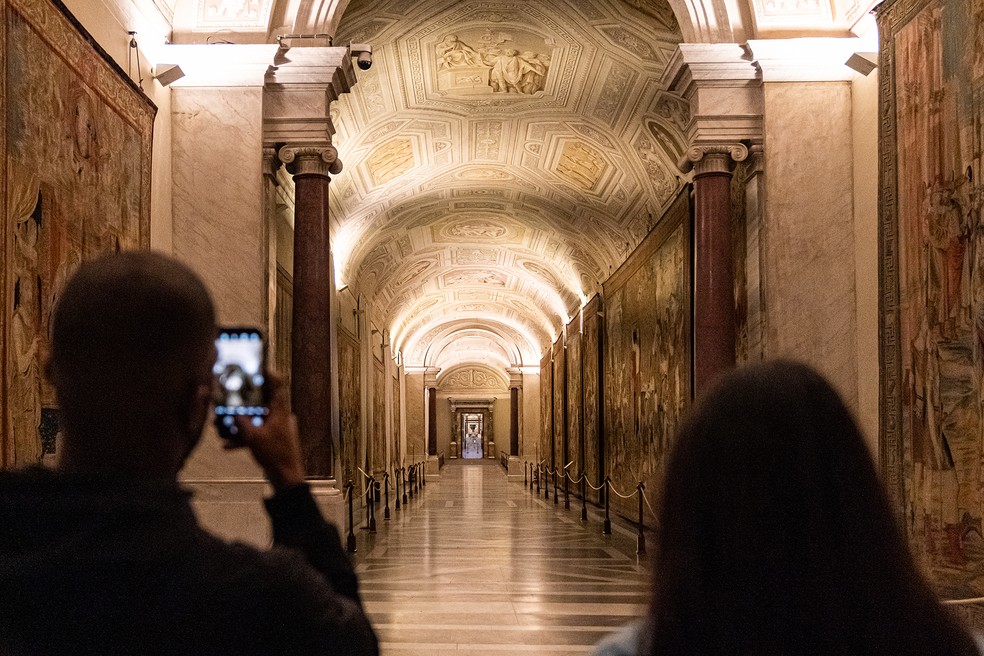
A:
(581, 165)
(477, 229)
(390, 160)
(241, 14)
(489, 61)
(476, 256)
(476, 277)
(491, 57)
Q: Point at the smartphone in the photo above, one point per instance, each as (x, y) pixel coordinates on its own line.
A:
(238, 379)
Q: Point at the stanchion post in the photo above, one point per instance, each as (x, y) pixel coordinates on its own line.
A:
(641, 540)
(403, 475)
(371, 506)
(396, 475)
(537, 478)
(567, 491)
(524, 474)
(423, 474)
(375, 486)
(546, 483)
(351, 533)
(607, 528)
(556, 496)
(584, 498)
(386, 494)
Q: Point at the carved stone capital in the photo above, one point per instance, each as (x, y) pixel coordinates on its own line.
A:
(310, 160)
(713, 158)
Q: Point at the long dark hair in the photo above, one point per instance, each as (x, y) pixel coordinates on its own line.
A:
(776, 537)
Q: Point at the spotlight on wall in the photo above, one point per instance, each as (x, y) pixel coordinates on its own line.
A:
(863, 62)
(168, 73)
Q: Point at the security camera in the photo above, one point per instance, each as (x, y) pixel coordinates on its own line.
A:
(363, 55)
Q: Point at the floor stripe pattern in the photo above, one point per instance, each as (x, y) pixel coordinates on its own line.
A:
(476, 565)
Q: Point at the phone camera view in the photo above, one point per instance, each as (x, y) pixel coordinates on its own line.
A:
(238, 376)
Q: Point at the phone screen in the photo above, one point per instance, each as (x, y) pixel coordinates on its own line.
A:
(238, 378)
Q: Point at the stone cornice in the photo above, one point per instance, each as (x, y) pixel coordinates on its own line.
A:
(804, 60)
(298, 90)
(724, 90)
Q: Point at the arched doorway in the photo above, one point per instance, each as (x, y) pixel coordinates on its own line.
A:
(471, 420)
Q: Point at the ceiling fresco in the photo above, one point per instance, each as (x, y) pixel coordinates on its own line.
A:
(501, 160)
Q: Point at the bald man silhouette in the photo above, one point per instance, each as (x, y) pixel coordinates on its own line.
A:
(103, 555)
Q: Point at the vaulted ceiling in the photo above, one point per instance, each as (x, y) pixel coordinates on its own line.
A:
(502, 157)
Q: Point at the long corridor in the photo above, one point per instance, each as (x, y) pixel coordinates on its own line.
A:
(476, 565)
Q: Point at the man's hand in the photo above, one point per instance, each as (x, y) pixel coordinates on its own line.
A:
(275, 445)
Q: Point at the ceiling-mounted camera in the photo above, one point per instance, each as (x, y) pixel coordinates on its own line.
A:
(363, 55)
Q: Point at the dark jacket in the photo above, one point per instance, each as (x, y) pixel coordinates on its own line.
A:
(90, 565)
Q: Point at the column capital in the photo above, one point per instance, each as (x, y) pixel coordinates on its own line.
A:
(713, 158)
(310, 159)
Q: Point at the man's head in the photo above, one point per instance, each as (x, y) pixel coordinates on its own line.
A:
(131, 352)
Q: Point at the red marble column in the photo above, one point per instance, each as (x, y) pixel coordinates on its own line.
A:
(514, 421)
(432, 421)
(311, 345)
(714, 269)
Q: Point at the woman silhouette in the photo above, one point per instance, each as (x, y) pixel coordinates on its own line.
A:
(776, 537)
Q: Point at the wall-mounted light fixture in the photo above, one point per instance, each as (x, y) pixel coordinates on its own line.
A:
(168, 73)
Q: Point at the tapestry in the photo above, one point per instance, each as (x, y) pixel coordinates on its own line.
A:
(75, 172)
(349, 405)
(378, 439)
(931, 71)
(647, 356)
(593, 325)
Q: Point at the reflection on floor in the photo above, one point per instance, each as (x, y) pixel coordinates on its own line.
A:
(476, 565)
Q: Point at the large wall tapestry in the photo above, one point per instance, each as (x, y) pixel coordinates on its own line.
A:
(349, 403)
(647, 354)
(378, 438)
(75, 174)
(544, 449)
(575, 413)
(593, 324)
(932, 287)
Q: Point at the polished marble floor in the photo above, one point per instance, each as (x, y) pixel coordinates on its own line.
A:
(477, 565)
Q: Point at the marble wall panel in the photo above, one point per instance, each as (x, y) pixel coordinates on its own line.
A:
(415, 412)
(219, 224)
(647, 356)
(808, 228)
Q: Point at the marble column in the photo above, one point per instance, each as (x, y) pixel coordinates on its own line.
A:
(514, 421)
(714, 269)
(311, 325)
(432, 421)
